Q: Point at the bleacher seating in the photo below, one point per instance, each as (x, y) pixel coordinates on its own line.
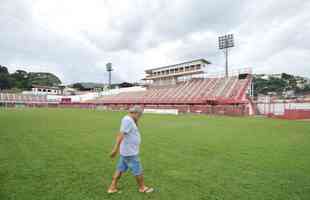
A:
(195, 91)
(22, 98)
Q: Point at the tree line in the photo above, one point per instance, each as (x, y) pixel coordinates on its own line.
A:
(24, 80)
(285, 82)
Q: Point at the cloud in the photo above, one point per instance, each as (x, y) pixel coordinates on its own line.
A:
(75, 39)
(35, 47)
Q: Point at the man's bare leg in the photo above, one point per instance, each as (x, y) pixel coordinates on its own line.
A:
(113, 187)
(140, 181)
(142, 187)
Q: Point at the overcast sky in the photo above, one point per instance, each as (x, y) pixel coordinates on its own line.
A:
(76, 38)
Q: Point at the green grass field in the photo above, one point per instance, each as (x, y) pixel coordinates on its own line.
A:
(63, 154)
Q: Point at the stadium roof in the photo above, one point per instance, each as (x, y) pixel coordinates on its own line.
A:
(201, 59)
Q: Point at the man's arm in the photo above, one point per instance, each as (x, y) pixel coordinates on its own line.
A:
(119, 139)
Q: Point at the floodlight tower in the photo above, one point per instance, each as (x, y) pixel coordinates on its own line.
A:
(109, 70)
(226, 42)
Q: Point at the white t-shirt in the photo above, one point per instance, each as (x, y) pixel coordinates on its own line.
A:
(132, 139)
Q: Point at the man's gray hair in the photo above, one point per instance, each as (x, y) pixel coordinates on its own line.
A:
(136, 109)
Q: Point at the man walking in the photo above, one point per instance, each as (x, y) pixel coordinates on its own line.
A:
(127, 144)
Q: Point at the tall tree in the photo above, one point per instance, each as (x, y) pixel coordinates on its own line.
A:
(5, 82)
(3, 70)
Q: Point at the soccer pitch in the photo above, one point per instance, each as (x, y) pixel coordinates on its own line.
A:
(64, 154)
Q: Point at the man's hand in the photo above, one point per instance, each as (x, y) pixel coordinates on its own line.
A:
(113, 153)
(115, 150)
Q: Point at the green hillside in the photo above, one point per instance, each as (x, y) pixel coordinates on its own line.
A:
(21, 79)
(279, 83)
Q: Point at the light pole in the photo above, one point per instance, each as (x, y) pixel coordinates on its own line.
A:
(109, 70)
(226, 42)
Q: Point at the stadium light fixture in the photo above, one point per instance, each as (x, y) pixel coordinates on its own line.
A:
(109, 70)
(226, 42)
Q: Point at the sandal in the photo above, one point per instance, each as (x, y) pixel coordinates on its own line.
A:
(112, 191)
(147, 190)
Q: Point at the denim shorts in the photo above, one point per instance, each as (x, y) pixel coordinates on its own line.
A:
(130, 162)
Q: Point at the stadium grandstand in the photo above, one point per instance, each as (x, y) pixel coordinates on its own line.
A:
(183, 87)
(187, 88)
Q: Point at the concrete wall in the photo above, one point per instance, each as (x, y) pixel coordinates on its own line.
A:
(279, 108)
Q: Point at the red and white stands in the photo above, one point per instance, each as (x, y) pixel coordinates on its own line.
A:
(187, 88)
(230, 90)
(184, 87)
(21, 98)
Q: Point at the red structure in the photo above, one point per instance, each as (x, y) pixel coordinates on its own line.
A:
(65, 100)
(183, 87)
(296, 114)
(213, 91)
(179, 87)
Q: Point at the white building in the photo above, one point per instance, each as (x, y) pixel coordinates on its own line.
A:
(44, 90)
(170, 74)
